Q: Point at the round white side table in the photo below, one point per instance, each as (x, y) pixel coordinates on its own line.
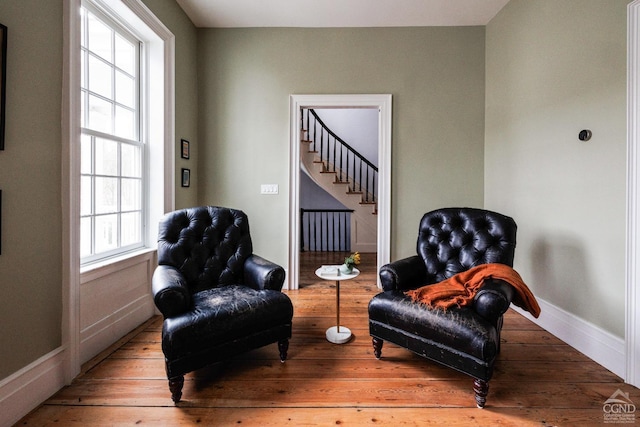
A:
(337, 334)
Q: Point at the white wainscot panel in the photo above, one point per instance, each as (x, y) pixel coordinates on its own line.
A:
(114, 300)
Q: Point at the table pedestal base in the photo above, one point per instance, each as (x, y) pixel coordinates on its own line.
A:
(338, 337)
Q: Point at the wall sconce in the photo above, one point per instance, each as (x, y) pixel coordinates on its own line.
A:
(584, 135)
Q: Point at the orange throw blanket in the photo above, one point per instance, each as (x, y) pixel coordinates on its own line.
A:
(461, 288)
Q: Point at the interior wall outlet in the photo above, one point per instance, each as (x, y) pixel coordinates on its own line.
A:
(269, 189)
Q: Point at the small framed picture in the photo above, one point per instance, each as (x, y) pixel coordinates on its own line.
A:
(3, 81)
(184, 148)
(186, 177)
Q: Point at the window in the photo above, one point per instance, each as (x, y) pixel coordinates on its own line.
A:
(113, 210)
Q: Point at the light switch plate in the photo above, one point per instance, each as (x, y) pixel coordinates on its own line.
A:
(269, 189)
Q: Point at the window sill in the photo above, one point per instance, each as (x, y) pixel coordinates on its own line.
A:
(104, 267)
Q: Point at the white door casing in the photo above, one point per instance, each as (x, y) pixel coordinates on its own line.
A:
(632, 312)
(383, 104)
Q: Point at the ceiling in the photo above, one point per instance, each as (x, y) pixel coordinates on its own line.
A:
(340, 13)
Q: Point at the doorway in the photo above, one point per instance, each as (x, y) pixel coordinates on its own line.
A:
(383, 104)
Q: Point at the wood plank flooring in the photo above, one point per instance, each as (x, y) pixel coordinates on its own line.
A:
(539, 380)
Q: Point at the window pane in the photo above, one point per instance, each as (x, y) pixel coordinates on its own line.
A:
(125, 123)
(125, 90)
(100, 115)
(83, 69)
(83, 107)
(131, 194)
(85, 237)
(131, 164)
(100, 38)
(83, 22)
(100, 77)
(125, 55)
(106, 233)
(111, 182)
(106, 195)
(106, 157)
(131, 230)
(85, 195)
(85, 154)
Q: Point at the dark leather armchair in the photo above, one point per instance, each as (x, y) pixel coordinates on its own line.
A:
(467, 339)
(218, 299)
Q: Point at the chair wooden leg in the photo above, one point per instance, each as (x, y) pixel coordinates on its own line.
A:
(175, 387)
(283, 347)
(481, 388)
(377, 347)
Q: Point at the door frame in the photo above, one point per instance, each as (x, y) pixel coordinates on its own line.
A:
(383, 102)
(632, 315)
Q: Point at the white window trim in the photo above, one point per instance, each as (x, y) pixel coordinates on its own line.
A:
(161, 101)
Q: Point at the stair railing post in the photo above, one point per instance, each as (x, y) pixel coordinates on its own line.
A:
(301, 230)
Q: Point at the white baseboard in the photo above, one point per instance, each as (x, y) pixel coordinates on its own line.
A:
(599, 345)
(27, 388)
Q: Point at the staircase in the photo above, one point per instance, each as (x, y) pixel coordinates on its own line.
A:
(345, 174)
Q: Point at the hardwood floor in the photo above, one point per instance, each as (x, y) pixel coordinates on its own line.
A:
(539, 380)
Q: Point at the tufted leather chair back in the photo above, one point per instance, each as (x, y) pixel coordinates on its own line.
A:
(208, 244)
(453, 240)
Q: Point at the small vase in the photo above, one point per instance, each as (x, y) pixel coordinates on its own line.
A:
(346, 269)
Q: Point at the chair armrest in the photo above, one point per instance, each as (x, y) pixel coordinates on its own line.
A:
(404, 274)
(493, 299)
(170, 292)
(260, 273)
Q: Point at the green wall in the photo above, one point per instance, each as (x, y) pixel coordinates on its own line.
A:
(186, 93)
(436, 77)
(553, 69)
(30, 169)
(30, 180)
